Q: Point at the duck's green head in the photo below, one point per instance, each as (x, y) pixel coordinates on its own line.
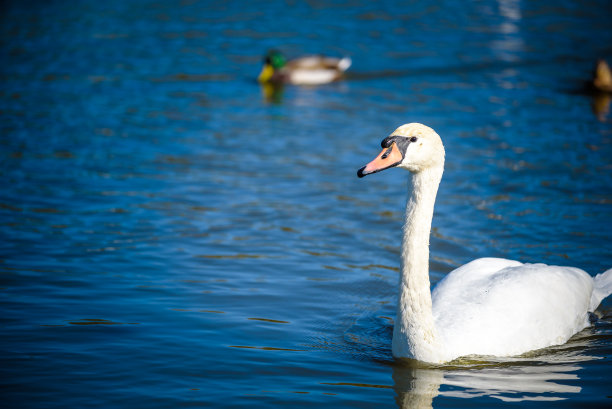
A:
(273, 61)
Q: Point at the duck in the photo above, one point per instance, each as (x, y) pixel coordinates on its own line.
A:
(602, 77)
(487, 307)
(308, 70)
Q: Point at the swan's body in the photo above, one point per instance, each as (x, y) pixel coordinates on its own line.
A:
(310, 70)
(509, 308)
(490, 306)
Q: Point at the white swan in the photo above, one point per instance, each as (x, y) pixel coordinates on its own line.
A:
(490, 306)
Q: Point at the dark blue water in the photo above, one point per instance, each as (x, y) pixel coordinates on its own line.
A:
(173, 237)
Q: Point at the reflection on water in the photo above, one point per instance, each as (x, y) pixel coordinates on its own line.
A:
(601, 105)
(514, 384)
(508, 42)
(546, 375)
(272, 92)
(417, 387)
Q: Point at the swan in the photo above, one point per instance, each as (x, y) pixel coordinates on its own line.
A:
(489, 306)
(309, 70)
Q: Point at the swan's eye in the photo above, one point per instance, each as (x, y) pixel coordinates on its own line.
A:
(413, 139)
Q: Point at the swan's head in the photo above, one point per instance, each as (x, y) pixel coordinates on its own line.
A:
(414, 146)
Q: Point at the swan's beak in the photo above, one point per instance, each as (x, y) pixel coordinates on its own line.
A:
(388, 158)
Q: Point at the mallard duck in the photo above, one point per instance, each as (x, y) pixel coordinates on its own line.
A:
(602, 78)
(310, 70)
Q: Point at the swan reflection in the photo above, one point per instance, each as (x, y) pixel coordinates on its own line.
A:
(541, 378)
(514, 384)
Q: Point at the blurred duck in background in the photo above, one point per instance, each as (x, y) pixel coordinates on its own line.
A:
(602, 77)
(601, 87)
(310, 70)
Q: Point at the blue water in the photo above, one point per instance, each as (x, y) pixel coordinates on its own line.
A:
(171, 236)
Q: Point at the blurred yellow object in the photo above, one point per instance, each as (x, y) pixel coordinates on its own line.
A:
(266, 73)
(602, 79)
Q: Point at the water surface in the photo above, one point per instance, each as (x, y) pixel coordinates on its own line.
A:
(173, 236)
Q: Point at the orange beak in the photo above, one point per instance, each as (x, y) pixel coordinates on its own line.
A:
(388, 158)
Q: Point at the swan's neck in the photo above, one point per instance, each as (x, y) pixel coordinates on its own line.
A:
(414, 334)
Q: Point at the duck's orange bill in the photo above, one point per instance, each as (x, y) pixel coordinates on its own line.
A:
(388, 158)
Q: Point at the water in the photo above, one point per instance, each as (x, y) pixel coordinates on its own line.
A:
(172, 237)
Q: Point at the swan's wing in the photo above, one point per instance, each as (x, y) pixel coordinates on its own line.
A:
(468, 274)
(502, 307)
(602, 287)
